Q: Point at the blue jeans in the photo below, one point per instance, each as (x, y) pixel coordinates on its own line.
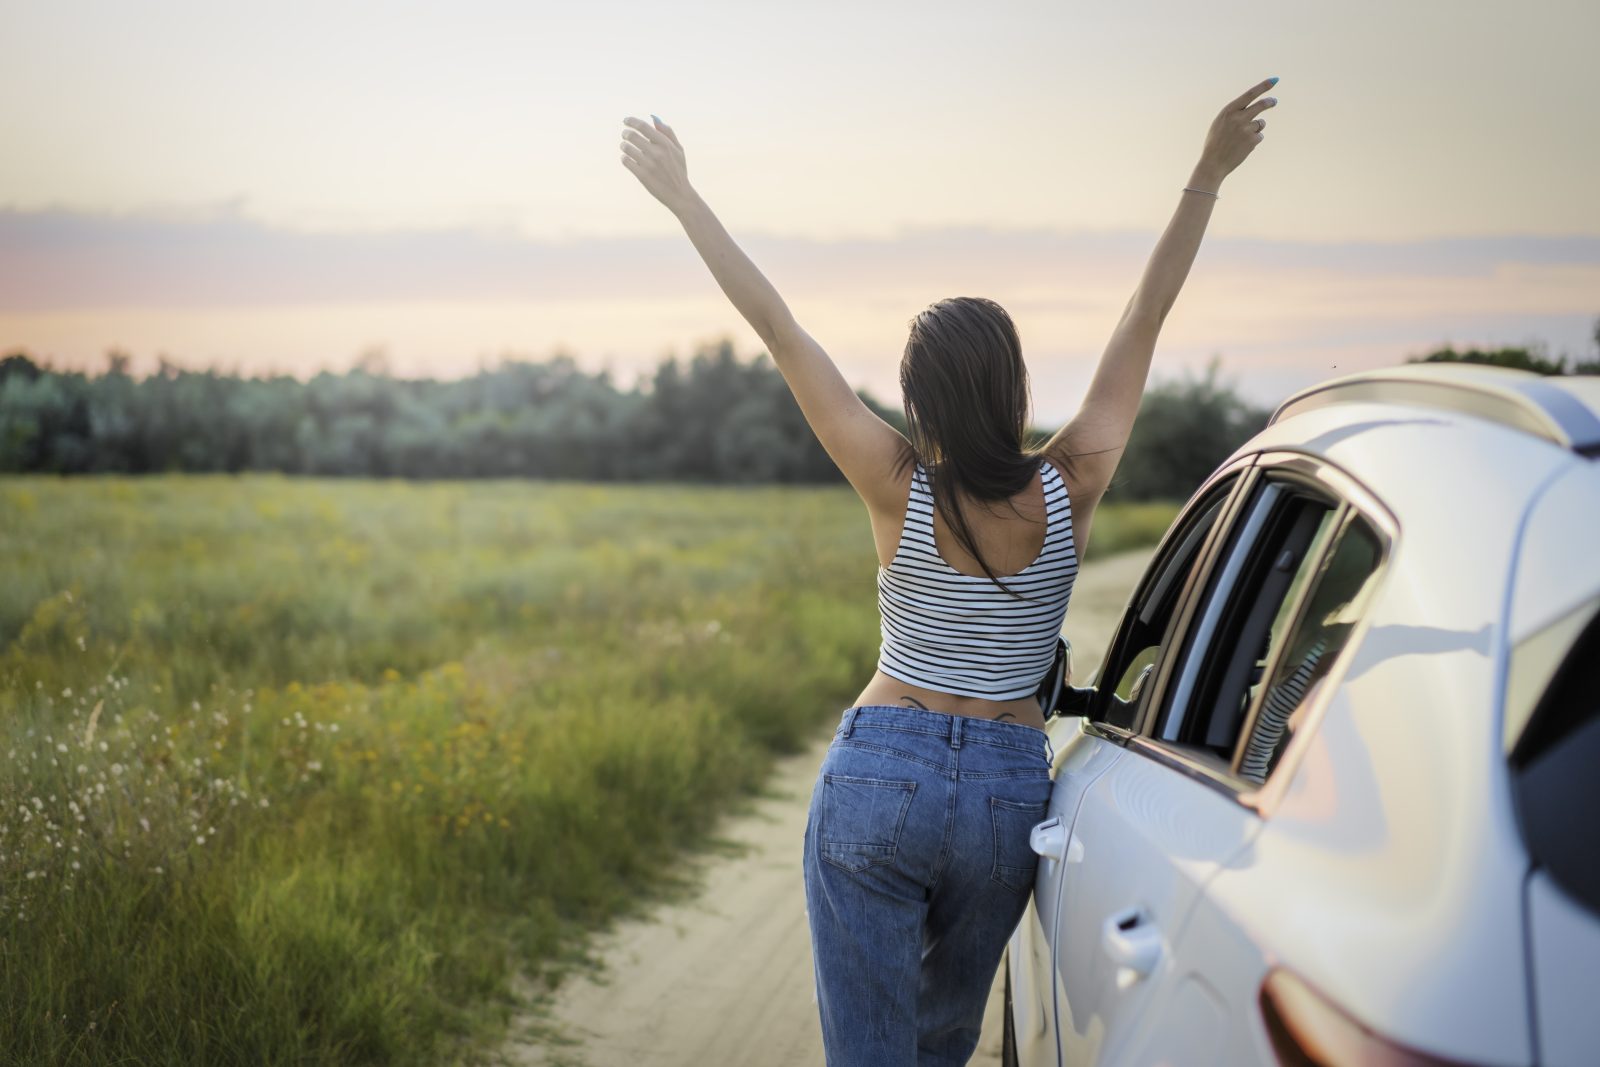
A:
(917, 870)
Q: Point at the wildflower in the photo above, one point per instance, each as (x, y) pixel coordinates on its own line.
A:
(67, 692)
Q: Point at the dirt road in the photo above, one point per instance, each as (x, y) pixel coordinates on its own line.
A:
(725, 977)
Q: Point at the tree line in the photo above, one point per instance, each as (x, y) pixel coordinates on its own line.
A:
(713, 418)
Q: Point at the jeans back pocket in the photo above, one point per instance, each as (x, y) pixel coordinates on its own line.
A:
(1015, 861)
(861, 820)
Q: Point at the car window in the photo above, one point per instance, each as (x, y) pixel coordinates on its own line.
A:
(1308, 649)
(1553, 764)
(1243, 620)
(1131, 663)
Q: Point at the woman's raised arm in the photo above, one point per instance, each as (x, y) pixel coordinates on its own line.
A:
(1096, 436)
(862, 445)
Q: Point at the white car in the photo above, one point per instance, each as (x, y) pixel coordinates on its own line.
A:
(1334, 795)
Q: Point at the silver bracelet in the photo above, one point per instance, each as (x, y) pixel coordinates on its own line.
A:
(1208, 192)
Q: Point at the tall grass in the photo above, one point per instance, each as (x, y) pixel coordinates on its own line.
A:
(305, 771)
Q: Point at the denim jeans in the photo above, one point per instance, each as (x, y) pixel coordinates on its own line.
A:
(917, 870)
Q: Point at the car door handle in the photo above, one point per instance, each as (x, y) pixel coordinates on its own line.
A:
(1049, 838)
(1132, 940)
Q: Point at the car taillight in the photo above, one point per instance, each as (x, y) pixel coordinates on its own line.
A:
(1309, 1030)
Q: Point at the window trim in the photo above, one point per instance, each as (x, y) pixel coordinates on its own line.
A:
(1356, 500)
(1205, 628)
(1244, 467)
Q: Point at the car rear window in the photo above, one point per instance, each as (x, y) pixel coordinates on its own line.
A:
(1555, 766)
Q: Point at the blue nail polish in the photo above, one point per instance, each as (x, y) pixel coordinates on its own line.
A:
(658, 120)
(1272, 81)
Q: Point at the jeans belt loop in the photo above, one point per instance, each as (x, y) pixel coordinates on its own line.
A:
(849, 721)
(956, 722)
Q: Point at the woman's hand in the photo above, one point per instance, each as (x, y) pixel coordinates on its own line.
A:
(655, 157)
(1234, 134)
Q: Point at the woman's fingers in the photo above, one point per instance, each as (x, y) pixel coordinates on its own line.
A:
(651, 151)
(647, 131)
(1250, 94)
(667, 129)
(1260, 105)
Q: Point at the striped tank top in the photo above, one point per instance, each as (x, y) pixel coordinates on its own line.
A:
(962, 634)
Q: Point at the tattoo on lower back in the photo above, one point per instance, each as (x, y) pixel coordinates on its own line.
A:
(915, 701)
(1003, 716)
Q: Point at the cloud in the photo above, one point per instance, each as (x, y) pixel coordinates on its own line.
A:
(58, 259)
(211, 286)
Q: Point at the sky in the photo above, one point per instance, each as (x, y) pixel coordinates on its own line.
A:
(281, 188)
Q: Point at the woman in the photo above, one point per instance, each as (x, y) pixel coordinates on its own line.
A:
(917, 861)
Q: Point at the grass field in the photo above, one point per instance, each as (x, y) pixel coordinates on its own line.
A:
(304, 771)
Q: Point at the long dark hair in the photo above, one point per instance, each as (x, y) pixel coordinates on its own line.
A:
(967, 406)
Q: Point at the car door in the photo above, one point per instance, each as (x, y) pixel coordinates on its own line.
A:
(1174, 809)
(1275, 648)
(1082, 756)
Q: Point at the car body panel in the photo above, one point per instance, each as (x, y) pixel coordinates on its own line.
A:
(1390, 873)
(1079, 761)
(1147, 840)
(1558, 567)
(1564, 951)
(1389, 870)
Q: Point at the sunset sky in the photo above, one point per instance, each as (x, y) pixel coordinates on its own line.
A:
(281, 187)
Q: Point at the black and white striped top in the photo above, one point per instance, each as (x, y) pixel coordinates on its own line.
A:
(961, 633)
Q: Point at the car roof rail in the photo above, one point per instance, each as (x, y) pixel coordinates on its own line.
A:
(1564, 409)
